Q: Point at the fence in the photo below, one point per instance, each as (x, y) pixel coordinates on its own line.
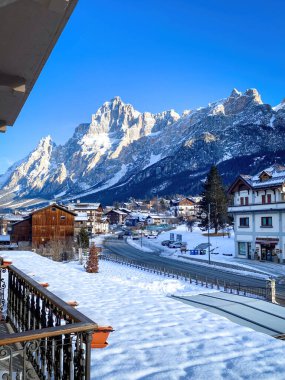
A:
(44, 338)
(206, 281)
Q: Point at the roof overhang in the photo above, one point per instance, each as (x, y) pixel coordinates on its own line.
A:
(29, 30)
(239, 180)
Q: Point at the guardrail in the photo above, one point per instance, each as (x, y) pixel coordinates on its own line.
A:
(206, 281)
(49, 339)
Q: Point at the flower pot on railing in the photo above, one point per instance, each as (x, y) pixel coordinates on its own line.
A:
(7, 262)
(72, 303)
(44, 284)
(100, 336)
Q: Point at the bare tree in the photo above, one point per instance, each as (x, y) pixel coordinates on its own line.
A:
(61, 250)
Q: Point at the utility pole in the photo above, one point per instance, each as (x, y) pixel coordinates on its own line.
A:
(209, 217)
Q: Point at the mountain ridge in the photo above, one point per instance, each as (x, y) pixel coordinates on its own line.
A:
(122, 145)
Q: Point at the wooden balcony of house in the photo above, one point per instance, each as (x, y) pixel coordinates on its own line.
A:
(41, 336)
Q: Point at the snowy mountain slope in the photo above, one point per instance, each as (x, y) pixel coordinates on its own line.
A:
(123, 152)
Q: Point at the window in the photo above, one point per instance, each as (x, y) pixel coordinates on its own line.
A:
(244, 201)
(268, 198)
(53, 209)
(266, 221)
(263, 199)
(62, 217)
(243, 222)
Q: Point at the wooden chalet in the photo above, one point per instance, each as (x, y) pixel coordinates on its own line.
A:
(52, 222)
(116, 216)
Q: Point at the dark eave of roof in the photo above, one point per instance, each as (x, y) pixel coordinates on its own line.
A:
(57, 206)
(29, 30)
(238, 179)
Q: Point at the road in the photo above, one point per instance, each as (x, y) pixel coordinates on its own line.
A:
(121, 248)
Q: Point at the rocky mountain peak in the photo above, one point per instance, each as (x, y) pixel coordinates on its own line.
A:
(254, 95)
(235, 93)
(238, 102)
(280, 106)
(45, 141)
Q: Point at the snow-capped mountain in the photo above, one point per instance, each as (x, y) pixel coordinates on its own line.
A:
(123, 152)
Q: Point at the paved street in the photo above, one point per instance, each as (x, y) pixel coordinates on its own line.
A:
(120, 247)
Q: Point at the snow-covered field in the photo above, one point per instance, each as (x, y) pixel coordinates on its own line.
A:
(155, 336)
(222, 245)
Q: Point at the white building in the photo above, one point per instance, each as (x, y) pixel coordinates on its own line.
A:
(259, 214)
(95, 222)
(186, 207)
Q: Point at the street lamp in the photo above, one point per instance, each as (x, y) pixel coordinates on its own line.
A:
(204, 216)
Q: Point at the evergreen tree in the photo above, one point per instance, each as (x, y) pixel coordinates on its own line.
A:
(92, 265)
(83, 238)
(215, 195)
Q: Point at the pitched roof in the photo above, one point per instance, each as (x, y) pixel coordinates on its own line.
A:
(117, 212)
(84, 206)
(276, 174)
(57, 206)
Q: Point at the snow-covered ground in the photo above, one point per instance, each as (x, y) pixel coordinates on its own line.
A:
(222, 245)
(156, 337)
(137, 244)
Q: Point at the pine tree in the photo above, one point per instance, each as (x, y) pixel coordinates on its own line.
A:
(83, 238)
(92, 265)
(215, 195)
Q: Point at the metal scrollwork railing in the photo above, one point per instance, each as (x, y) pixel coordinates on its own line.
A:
(50, 340)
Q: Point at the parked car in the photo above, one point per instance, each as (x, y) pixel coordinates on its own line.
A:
(121, 236)
(13, 246)
(136, 237)
(167, 242)
(177, 244)
(152, 236)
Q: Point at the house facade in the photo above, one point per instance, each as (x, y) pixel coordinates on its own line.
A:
(116, 216)
(6, 222)
(80, 221)
(185, 207)
(94, 214)
(258, 208)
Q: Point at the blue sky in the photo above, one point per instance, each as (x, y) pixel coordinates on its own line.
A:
(156, 55)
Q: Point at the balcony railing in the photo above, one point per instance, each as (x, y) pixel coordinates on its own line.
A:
(45, 338)
(257, 207)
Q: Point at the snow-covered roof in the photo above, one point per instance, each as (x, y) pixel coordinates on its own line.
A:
(54, 205)
(275, 174)
(81, 217)
(11, 217)
(84, 206)
(118, 212)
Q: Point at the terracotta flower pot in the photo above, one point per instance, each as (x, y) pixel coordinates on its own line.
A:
(100, 336)
(44, 284)
(72, 303)
(7, 262)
